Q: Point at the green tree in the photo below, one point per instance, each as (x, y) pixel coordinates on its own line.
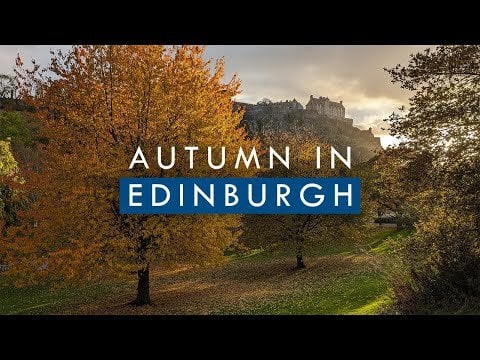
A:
(443, 125)
(398, 174)
(19, 140)
(444, 109)
(8, 165)
(8, 168)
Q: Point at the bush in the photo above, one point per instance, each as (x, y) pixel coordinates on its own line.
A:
(441, 262)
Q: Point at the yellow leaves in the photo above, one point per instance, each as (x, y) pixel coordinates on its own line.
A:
(101, 103)
(8, 165)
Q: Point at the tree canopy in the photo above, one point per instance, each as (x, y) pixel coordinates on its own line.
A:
(96, 105)
(436, 174)
(445, 106)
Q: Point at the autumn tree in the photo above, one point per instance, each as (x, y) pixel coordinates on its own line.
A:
(443, 124)
(97, 105)
(398, 174)
(444, 109)
(301, 229)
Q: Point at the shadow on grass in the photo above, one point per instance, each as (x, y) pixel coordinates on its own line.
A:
(338, 280)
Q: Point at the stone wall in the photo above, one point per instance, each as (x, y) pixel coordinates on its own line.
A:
(324, 106)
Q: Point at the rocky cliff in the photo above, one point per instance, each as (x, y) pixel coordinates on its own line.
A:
(289, 116)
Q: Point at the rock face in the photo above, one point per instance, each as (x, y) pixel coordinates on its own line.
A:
(322, 118)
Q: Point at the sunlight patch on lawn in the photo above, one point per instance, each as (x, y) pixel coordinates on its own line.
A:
(373, 307)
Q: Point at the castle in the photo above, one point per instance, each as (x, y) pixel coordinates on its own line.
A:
(324, 106)
(321, 117)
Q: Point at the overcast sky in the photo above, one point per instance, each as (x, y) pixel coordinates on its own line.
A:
(350, 73)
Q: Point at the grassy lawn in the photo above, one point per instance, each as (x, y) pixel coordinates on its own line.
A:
(351, 293)
(43, 300)
(339, 279)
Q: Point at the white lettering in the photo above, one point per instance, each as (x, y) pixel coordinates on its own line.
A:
(317, 196)
(231, 192)
(154, 194)
(181, 195)
(209, 198)
(191, 149)
(347, 193)
(334, 153)
(172, 158)
(250, 196)
(132, 193)
(285, 161)
(282, 196)
(242, 156)
(222, 163)
(142, 160)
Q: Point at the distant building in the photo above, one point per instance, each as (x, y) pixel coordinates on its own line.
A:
(286, 105)
(320, 117)
(324, 106)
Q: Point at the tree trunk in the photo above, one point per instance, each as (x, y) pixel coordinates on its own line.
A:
(143, 289)
(300, 263)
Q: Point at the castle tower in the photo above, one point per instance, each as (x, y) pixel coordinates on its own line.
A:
(325, 107)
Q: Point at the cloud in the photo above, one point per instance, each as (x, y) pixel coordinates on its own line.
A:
(350, 73)
(353, 74)
(8, 53)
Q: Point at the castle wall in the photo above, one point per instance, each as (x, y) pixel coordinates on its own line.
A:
(326, 107)
(320, 117)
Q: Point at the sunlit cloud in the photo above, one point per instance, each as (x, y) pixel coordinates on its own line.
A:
(353, 74)
(388, 140)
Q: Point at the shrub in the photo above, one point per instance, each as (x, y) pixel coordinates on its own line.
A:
(441, 262)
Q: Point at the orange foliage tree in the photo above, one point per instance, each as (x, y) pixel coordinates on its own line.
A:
(303, 230)
(97, 104)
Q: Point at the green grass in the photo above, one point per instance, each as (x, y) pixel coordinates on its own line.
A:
(44, 300)
(383, 243)
(374, 240)
(351, 293)
(339, 281)
(355, 292)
